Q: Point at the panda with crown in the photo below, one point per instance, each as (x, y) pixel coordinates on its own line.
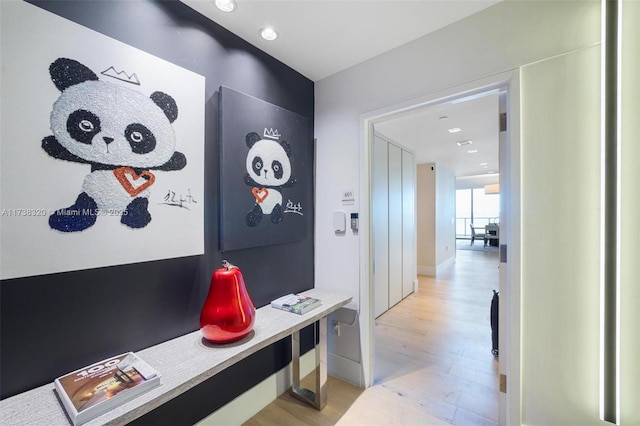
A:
(121, 133)
(268, 171)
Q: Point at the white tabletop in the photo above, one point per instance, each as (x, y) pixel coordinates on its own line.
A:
(183, 362)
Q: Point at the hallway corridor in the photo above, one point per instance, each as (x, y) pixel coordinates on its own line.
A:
(433, 362)
(434, 348)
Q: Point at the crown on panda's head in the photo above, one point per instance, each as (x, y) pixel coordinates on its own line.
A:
(271, 133)
(121, 75)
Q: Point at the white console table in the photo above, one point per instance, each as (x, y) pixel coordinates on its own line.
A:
(186, 361)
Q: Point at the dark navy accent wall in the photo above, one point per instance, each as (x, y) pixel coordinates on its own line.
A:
(53, 324)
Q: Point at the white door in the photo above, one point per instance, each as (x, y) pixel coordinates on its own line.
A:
(380, 220)
(395, 225)
(408, 222)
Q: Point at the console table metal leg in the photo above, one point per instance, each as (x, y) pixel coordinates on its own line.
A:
(317, 399)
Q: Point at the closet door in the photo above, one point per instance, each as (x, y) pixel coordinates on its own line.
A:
(380, 221)
(395, 225)
(408, 222)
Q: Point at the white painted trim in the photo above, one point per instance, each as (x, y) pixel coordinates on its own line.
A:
(509, 80)
(346, 369)
(511, 409)
(255, 399)
(443, 265)
(433, 271)
(365, 141)
(429, 271)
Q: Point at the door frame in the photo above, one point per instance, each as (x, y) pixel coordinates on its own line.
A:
(510, 309)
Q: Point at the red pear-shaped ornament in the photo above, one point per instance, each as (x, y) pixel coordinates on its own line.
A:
(228, 313)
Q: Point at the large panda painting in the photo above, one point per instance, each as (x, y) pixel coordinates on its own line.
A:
(102, 149)
(121, 141)
(265, 173)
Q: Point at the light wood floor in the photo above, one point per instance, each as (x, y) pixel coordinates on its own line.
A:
(433, 362)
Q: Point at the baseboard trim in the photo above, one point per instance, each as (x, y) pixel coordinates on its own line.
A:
(429, 271)
(432, 271)
(345, 369)
(445, 264)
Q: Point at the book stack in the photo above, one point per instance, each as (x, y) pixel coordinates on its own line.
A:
(296, 303)
(92, 391)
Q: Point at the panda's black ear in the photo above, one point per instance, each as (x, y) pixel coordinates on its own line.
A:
(166, 104)
(68, 72)
(252, 138)
(287, 148)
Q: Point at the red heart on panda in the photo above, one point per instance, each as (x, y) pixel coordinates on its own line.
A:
(260, 194)
(132, 182)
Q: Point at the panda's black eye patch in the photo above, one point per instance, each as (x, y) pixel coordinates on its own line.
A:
(257, 165)
(276, 166)
(83, 125)
(140, 138)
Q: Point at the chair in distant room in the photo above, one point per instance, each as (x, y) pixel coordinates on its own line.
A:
(492, 231)
(478, 236)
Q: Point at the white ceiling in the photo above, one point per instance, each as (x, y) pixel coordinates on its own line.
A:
(427, 134)
(321, 37)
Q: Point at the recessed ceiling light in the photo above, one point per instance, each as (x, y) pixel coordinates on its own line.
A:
(268, 33)
(484, 164)
(443, 117)
(226, 5)
(472, 151)
(463, 143)
(454, 129)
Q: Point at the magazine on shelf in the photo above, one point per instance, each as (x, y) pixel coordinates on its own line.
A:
(296, 303)
(93, 390)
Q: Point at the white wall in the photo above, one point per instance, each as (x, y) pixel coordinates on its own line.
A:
(505, 37)
(630, 217)
(426, 211)
(435, 210)
(560, 126)
(445, 216)
(498, 39)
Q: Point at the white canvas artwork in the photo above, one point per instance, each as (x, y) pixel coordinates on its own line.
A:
(101, 149)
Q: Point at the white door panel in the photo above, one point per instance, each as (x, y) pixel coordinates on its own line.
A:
(395, 224)
(408, 222)
(380, 218)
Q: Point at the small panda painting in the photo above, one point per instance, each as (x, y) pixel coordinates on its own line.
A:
(121, 134)
(268, 171)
